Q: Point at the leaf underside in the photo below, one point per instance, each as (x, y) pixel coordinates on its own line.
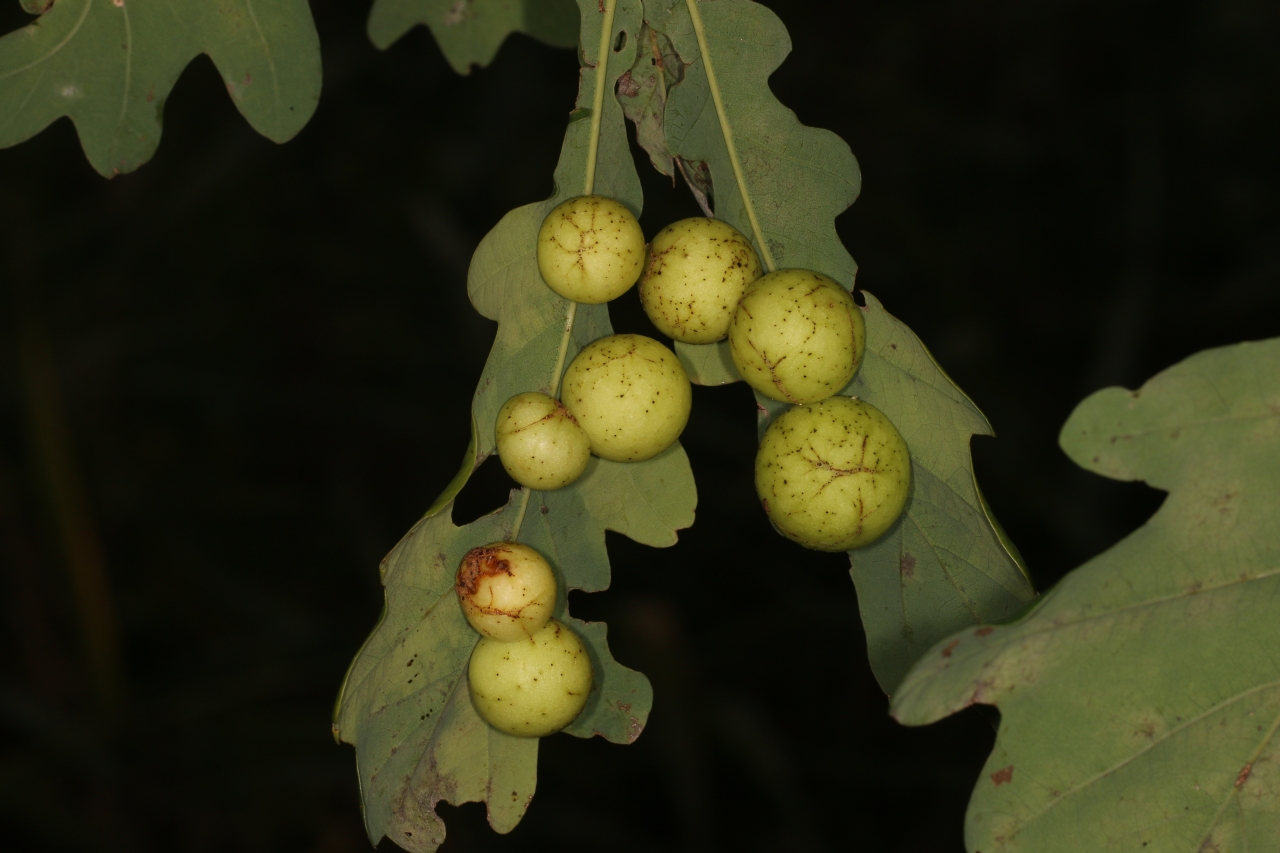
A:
(470, 32)
(109, 65)
(945, 564)
(405, 703)
(1140, 699)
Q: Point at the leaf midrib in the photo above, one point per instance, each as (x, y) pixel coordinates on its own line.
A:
(726, 131)
(266, 52)
(1197, 424)
(128, 79)
(987, 649)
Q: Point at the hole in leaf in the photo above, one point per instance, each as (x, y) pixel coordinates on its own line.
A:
(620, 42)
(488, 489)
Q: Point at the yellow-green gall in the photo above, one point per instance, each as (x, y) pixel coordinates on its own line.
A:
(797, 336)
(534, 686)
(694, 275)
(590, 249)
(631, 394)
(540, 444)
(834, 475)
(507, 590)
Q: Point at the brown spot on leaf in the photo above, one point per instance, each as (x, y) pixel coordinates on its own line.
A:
(982, 632)
(946, 651)
(634, 728)
(627, 86)
(1003, 775)
(908, 565)
(457, 13)
(1244, 774)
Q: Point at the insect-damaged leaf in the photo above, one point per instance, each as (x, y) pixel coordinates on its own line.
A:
(109, 65)
(798, 178)
(945, 564)
(1140, 698)
(405, 703)
(642, 91)
(470, 32)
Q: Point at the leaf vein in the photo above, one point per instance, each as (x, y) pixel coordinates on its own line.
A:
(1019, 636)
(14, 115)
(1226, 703)
(266, 50)
(1235, 789)
(56, 48)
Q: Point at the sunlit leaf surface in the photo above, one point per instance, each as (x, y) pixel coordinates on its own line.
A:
(405, 704)
(109, 65)
(1140, 699)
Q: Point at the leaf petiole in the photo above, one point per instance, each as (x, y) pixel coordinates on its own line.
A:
(564, 348)
(727, 130)
(589, 185)
(597, 98)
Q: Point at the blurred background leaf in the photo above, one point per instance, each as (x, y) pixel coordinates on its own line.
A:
(109, 67)
(469, 32)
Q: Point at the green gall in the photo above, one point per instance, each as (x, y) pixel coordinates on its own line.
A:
(534, 686)
(797, 336)
(590, 249)
(540, 444)
(631, 394)
(834, 475)
(695, 273)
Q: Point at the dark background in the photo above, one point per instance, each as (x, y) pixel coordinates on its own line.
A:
(231, 380)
